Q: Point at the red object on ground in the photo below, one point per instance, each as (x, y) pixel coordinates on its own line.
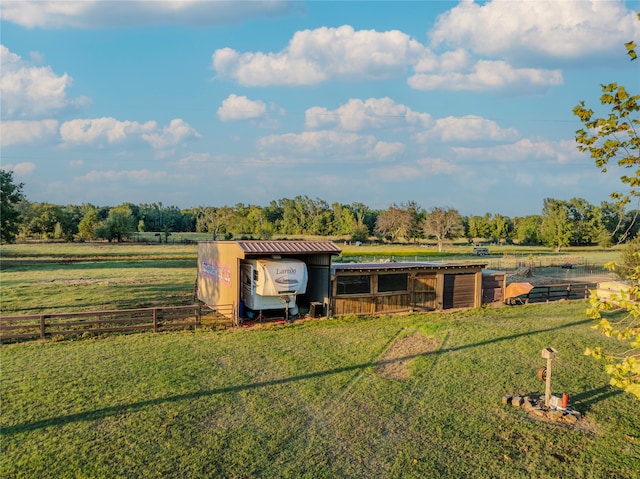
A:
(565, 400)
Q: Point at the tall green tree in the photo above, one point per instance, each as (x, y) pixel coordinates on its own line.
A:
(556, 229)
(527, 230)
(88, 224)
(120, 224)
(46, 221)
(10, 196)
(615, 136)
(480, 227)
(587, 222)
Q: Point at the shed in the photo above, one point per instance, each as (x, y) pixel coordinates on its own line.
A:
(371, 288)
(221, 265)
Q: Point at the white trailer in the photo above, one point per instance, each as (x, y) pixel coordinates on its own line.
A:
(269, 284)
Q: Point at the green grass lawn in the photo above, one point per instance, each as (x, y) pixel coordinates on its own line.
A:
(412, 396)
(39, 278)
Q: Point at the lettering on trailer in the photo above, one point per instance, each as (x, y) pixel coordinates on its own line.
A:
(284, 279)
(286, 271)
(220, 273)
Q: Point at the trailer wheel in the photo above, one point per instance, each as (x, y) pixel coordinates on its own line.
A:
(542, 373)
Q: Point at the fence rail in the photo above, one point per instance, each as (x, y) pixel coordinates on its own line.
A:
(43, 326)
(554, 292)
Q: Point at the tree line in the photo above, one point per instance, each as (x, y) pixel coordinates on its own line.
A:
(561, 223)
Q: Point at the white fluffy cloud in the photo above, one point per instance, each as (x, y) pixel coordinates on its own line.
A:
(357, 115)
(109, 131)
(24, 132)
(384, 149)
(101, 13)
(488, 75)
(21, 169)
(318, 143)
(562, 151)
(236, 107)
(105, 129)
(30, 92)
(554, 29)
(468, 128)
(177, 132)
(135, 176)
(315, 56)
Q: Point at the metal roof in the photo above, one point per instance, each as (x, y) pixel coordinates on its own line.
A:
(288, 247)
(401, 265)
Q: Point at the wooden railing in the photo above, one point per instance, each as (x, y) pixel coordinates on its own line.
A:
(51, 325)
(554, 292)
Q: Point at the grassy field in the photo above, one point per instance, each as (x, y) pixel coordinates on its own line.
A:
(38, 278)
(408, 396)
(403, 396)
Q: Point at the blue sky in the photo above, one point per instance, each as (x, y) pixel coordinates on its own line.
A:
(460, 104)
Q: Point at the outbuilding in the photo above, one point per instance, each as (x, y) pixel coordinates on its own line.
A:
(239, 278)
(256, 279)
(373, 288)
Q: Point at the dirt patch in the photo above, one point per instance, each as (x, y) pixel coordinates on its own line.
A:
(394, 364)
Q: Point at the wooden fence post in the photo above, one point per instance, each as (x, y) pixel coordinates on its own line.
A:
(155, 320)
(42, 326)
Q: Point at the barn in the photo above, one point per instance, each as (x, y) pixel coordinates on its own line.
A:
(255, 278)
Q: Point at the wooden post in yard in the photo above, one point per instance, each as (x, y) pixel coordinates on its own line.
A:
(549, 354)
(155, 320)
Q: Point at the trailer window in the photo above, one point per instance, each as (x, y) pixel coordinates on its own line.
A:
(357, 284)
(392, 282)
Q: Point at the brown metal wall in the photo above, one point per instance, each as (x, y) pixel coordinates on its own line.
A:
(493, 288)
(459, 291)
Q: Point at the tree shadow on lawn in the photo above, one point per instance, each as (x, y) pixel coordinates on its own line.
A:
(584, 401)
(588, 397)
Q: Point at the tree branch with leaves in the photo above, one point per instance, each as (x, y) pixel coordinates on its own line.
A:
(615, 137)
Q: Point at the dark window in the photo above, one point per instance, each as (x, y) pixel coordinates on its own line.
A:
(392, 282)
(360, 284)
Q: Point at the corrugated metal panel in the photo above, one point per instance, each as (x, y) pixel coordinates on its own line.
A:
(401, 265)
(492, 288)
(288, 247)
(459, 291)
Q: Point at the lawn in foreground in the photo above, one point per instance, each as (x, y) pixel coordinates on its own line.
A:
(329, 398)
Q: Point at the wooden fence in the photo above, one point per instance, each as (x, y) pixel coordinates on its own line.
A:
(51, 325)
(554, 292)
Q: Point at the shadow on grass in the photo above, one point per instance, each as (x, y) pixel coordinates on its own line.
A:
(129, 408)
(584, 401)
